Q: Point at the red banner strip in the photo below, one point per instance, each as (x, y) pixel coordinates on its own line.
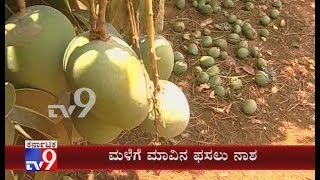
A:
(174, 157)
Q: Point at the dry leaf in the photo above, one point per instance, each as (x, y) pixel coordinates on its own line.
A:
(117, 13)
(269, 52)
(303, 70)
(9, 132)
(227, 109)
(219, 110)
(289, 71)
(274, 89)
(204, 132)
(275, 27)
(311, 66)
(264, 7)
(219, 27)
(83, 4)
(206, 22)
(311, 87)
(47, 175)
(261, 101)
(185, 135)
(248, 69)
(35, 99)
(202, 87)
(211, 95)
(238, 70)
(230, 61)
(256, 121)
(183, 84)
(224, 174)
(10, 98)
(9, 175)
(19, 129)
(34, 120)
(253, 91)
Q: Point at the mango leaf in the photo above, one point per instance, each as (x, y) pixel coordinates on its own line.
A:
(118, 15)
(63, 6)
(9, 132)
(34, 120)
(76, 137)
(9, 175)
(83, 16)
(47, 175)
(19, 129)
(64, 130)
(10, 98)
(83, 4)
(35, 99)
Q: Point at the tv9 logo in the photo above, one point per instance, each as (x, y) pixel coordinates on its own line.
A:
(66, 113)
(40, 155)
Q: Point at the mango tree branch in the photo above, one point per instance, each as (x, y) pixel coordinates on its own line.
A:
(153, 58)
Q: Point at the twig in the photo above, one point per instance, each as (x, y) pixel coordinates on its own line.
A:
(91, 175)
(134, 29)
(9, 8)
(93, 15)
(152, 55)
(160, 17)
(134, 23)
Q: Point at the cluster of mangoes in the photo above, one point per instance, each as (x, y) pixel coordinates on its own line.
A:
(56, 60)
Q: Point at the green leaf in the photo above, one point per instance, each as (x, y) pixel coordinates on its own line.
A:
(47, 175)
(35, 99)
(118, 15)
(9, 132)
(10, 98)
(83, 16)
(66, 2)
(34, 120)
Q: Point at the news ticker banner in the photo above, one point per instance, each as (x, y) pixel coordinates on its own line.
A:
(48, 156)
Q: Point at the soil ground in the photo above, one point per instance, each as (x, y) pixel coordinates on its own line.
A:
(286, 113)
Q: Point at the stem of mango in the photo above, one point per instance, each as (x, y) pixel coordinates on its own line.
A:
(22, 7)
(99, 32)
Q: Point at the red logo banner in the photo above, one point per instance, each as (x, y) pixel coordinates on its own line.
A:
(174, 157)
